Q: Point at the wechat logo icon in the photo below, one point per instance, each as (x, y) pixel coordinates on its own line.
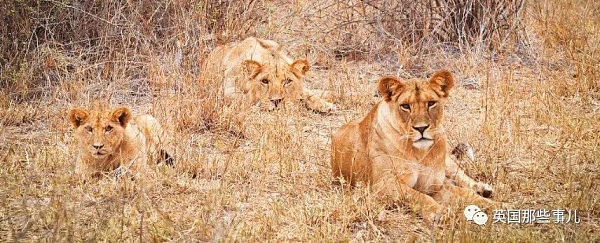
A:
(474, 213)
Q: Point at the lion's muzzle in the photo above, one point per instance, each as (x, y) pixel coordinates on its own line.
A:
(422, 139)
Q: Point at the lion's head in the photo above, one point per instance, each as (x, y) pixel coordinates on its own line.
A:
(276, 82)
(416, 106)
(99, 131)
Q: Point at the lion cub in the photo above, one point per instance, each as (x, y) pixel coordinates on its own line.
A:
(399, 147)
(260, 72)
(112, 140)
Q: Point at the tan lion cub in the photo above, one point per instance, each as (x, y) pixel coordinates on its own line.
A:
(112, 140)
(261, 72)
(399, 147)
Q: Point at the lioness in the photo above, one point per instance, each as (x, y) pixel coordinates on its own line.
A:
(399, 147)
(260, 71)
(110, 140)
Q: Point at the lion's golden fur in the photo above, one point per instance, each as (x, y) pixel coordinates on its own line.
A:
(399, 147)
(114, 140)
(261, 72)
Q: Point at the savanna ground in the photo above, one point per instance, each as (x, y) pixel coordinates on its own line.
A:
(527, 100)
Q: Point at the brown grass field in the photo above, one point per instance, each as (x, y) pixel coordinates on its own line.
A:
(527, 100)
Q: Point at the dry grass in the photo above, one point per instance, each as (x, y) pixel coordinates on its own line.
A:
(531, 111)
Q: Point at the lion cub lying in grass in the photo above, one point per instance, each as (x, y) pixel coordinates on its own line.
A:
(260, 72)
(399, 147)
(111, 140)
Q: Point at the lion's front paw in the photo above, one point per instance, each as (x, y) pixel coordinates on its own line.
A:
(484, 189)
(327, 107)
(436, 215)
(322, 106)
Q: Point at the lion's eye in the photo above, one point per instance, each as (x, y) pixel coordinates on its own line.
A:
(287, 81)
(265, 81)
(431, 104)
(108, 128)
(405, 107)
(89, 129)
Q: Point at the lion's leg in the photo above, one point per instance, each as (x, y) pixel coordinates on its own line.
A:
(458, 176)
(157, 140)
(84, 171)
(454, 194)
(315, 102)
(453, 172)
(138, 167)
(394, 189)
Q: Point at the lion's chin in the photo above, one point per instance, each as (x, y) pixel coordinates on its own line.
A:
(423, 143)
(98, 155)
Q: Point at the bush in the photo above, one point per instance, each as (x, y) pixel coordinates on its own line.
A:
(376, 26)
(112, 39)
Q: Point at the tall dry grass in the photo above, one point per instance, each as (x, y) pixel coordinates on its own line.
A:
(528, 100)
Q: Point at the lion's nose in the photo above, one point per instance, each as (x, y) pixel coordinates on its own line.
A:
(276, 101)
(98, 146)
(421, 129)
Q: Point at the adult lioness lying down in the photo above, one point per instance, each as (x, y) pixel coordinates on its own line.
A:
(113, 140)
(399, 147)
(262, 73)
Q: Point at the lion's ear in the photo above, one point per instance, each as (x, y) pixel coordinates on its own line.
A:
(251, 67)
(122, 115)
(301, 66)
(77, 116)
(269, 44)
(442, 81)
(389, 86)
